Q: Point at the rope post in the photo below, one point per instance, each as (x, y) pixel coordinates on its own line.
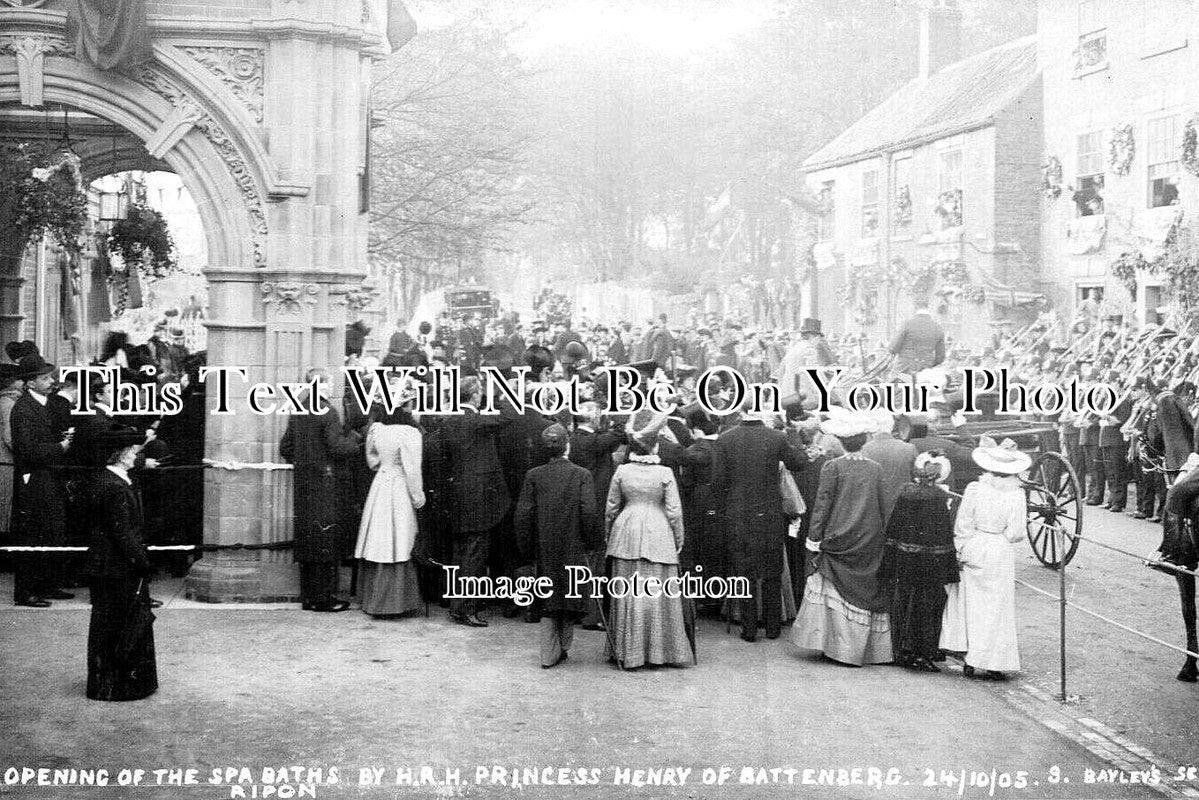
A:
(1061, 590)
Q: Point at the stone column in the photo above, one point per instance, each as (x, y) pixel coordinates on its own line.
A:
(281, 321)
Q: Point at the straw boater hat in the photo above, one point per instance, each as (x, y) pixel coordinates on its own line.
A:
(1004, 458)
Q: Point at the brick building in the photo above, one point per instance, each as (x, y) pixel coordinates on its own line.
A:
(935, 193)
(1116, 108)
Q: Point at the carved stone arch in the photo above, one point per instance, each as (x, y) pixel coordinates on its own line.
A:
(197, 161)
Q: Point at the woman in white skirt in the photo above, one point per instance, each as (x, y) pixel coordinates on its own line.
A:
(389, 584)
(980, 615)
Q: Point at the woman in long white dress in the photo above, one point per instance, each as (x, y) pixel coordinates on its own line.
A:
(980, 616)
(388, 529)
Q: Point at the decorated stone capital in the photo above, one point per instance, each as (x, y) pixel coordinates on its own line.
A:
(289, 297)
(356, 298)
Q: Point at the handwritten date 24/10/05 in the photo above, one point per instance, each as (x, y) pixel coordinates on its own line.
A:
(976, 779)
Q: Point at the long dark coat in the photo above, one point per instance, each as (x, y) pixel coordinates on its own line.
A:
(919, 561)
(1173, 431)
(354, 476)
(592, 450)
(40, 501)
(706, 542)
(746, 480)
(557, 524)
(118, 564)
(311, 442)
(478, 490)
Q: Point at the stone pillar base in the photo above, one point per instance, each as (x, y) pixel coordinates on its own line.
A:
(225, 577)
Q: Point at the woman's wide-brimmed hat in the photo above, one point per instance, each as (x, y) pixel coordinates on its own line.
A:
(1003, 458)
(645, 425)
(932, 465)
(116, 438)
(845, 424)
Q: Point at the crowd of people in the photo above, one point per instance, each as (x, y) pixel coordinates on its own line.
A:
(100, 481)
(878, 537)
(800, 504)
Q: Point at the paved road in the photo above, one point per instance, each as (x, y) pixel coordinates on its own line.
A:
(281, 688)
(1119, 678)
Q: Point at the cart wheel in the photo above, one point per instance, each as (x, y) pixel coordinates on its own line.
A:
(1054, 504)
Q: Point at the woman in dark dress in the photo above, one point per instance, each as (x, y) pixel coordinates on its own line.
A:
(120, 641)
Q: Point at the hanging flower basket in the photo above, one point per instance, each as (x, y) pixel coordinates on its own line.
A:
(1051, 178)
(1121, 149)
(141, 235)
(1190, 148)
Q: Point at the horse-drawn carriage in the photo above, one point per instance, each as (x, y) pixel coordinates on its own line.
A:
(1054, 495)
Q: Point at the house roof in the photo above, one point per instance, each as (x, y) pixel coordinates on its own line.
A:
(963, 96)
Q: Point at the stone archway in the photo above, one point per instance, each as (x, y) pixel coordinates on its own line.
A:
(247, 112)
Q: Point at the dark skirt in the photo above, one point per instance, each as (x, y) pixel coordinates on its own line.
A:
(389, 589)
(111, 673)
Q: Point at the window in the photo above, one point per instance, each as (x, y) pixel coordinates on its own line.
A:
(869, 203)
(1163, 25)
(1092, 36)
(828, 211)
(1088, 186)
(1162, 156)
(949, 183)
(901, 200)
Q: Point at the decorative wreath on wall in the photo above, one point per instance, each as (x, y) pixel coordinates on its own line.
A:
(903, 205)
(1190, 148)
(1051, 178)
(1121, 149)
(1125, 268)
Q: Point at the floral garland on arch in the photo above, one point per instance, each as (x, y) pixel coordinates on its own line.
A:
(1190, 148)
(1121, 149)
(1051, 178)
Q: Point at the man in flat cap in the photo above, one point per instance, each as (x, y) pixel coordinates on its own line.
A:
(557, 526)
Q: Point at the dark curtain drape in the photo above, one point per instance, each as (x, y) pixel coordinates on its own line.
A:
(109, 34)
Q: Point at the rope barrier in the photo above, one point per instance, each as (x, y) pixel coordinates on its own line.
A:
(1099, 616)
(178, 548)
(1146, 561)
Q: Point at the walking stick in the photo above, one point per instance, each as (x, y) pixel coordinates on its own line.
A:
(599, 607)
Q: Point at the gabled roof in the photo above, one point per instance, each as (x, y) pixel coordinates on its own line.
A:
(963, 96)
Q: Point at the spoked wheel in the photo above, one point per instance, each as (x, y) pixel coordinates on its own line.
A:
(1054, 507)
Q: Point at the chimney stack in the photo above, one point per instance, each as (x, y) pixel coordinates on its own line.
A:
(940, 36)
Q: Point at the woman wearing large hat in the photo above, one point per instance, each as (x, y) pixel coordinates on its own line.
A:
(844, 610)
(120, 638)
(980, 616)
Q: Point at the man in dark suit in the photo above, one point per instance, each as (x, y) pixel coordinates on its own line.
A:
(479, 492)
(1173, 430)
(311, 442)
(746, 482)
(40, 518)
(920, 341)
(660, 344)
